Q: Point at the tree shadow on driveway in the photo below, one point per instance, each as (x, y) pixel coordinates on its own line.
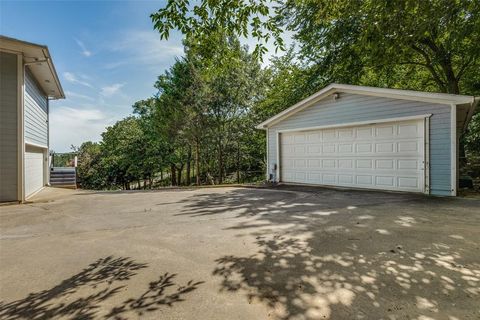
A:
(84, 295)
(334, 255)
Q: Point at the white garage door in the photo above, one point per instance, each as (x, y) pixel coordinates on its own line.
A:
(34, 166)
(386, 156)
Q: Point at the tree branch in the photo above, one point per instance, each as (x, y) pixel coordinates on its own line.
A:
(430, 67)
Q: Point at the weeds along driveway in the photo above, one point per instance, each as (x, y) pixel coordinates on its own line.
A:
(235, 253)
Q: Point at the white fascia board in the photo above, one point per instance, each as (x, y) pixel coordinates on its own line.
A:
(471, 111)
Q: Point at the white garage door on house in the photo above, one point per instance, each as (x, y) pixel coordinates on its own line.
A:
(34, 169)
(388, 156)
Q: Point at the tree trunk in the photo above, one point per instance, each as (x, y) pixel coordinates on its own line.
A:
(173, 175)
(180, 170)
(197, 162)
(238, 162)
(188, 165)
(220, 163)
(161, 174)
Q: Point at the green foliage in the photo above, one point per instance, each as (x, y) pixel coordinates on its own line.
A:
(231, 18)
(429, 45)
(199, 125)
(201, 122)
(91, 174)
(473, 138)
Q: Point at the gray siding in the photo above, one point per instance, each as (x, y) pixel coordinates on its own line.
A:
(8, 127)
(36, 113)
(354, 108)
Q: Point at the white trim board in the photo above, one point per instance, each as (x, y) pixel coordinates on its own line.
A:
(453, 149)
(425, 127)
(358, 123)
(37, 145)
(426, 155)
(20, 125)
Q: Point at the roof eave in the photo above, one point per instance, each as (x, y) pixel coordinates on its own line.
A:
(20, 46)
(439, 98)
(471, 111)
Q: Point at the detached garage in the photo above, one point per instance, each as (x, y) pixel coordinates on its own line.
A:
(371, 138)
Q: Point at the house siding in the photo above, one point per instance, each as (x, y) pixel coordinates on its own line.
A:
(8, 127)
(349, 108)
(36, 113)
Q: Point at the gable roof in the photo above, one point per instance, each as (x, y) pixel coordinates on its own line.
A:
(39, 62)
(441, 98)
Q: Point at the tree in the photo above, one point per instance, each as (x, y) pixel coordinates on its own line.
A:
(90, 173)
(427, 45)
(123, 146)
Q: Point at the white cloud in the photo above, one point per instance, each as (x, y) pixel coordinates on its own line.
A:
(70, 77)
(71, 94)
(87, 53)
(74, 126)
(109, 91)
(144, 47)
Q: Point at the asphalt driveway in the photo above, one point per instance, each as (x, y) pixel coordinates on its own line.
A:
(240, 253)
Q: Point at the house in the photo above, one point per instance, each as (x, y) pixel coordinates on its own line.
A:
(28, 81)
(372, 138)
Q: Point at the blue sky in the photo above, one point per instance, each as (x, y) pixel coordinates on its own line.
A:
(106, 53)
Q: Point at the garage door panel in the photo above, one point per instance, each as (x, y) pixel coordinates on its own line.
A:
(329, 135)
(385, 164)
(408, 146)
(345, 179)
(346, 134)
(314, 150)
(315, 137)
(409, 130)
(329, 179)
(328, 148)
(345, 163)
(364, 147)
(385, 147)
(385, 131)
(314, 164)
(387, 156)
(345, 148)
(366, 180)
(365, 133)
(408, 182)
(364, 164)
(328, 164)
(408, 164)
